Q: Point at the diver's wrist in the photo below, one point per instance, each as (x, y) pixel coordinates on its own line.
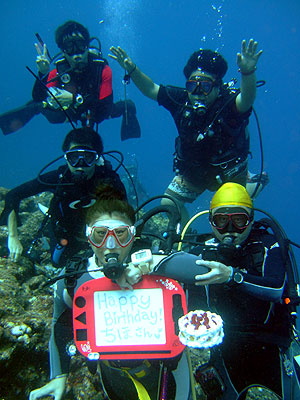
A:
(246, 73)
(231, 275)
(237, 278)
(132, 69)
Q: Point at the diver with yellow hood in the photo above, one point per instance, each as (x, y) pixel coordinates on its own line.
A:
(247, 286)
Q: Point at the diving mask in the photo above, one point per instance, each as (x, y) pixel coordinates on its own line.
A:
(74, 45)
(239, 221)
(110, 234)
(89, 157)
(198, 85)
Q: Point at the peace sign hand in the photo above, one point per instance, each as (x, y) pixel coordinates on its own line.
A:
(42, 60)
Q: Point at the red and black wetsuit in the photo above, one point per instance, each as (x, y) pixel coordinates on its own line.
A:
(94, 84)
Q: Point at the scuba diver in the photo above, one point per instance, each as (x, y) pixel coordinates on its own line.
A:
(248, 286)
(112, 236)
(79, 88)
(74, 187)
(211, 119)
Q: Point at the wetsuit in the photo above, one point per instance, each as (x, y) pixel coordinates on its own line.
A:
(67, 205)
(92, 99)
(221, 153)
(93, 84)
(256, 322)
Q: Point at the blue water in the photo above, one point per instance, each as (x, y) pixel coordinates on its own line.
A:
(160, 36)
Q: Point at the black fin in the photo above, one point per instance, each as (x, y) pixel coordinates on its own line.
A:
(14, 120)
(130, 128)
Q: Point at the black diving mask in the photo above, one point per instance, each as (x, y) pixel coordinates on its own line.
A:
(88, 157)
(74, 45)
(200, 85)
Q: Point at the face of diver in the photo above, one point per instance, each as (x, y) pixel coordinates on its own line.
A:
(76, 51)
(206, 97)
(81, 170)
(231, 224)
(112, 234)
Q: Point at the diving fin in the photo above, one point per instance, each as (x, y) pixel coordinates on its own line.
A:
(14, 120)
(130, 128)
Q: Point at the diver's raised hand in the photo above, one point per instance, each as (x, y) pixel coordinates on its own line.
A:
(42, 60)
(248, 58)
(15, 248)
(55, 388)
(141, 80)
(123, 59)
(219, 273)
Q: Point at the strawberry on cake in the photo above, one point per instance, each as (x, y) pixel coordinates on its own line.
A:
(201, 329)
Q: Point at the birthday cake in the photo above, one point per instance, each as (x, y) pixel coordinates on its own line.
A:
(201, 329)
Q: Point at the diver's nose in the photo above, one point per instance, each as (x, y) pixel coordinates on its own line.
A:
(230, 227)
(110, 242)
(80, 163)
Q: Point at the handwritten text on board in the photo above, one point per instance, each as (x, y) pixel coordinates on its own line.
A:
(129, 317)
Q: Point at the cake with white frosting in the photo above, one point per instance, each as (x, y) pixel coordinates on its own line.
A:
(201, 329)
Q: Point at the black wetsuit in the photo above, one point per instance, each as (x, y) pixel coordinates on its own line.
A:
(67, 207)
(255, 319)
(224, 148)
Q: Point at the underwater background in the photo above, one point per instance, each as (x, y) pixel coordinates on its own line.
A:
(160, 36)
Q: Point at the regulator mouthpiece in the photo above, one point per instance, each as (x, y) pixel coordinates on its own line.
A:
(199, 107)
(228, 239)
(113, 269)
